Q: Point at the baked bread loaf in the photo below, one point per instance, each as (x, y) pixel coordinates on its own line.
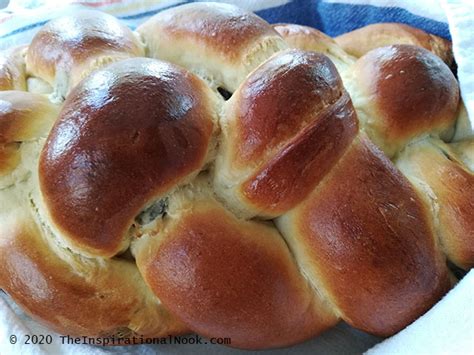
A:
(248, 181)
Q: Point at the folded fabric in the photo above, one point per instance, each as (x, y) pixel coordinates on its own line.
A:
(445, 329)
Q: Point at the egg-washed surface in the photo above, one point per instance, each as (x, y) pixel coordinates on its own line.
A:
(236, 184)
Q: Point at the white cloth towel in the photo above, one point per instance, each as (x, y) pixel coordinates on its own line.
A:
(445, 329)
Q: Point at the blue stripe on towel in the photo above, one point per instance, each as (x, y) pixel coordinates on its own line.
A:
(335, 19)
(23, 29)
(340, 18)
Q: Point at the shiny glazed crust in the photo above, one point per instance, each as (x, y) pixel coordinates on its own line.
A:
(170, 130)
(101, 299)
(361, 243)
(67, 49)
(283, 129)
(258, 298)
(219, 42)
(405, 91)
(225, 186)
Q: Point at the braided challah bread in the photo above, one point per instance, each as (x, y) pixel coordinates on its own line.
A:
(247, 181)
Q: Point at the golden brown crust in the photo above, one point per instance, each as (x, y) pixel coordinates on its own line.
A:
(228, 278)
(276, 102)
(292, 173)
(220, 42)
(127, 172)
(363, 40)
(310, 39)
(407, 91)
(365, 234)
(452, 196)
(12, 69)
(106, 299)
(67, 48)
(23, 117)
(118, 145)
(290, 120)
(225, 28)
(304, 37)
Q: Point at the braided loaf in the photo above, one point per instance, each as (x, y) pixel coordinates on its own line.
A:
(223, 185)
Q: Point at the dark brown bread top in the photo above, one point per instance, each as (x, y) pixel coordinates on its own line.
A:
(281, 97)
(409, 91)
(368, 238)
(292, 173)
(69, 42)
(289, 122)
(229, 278)
(224, 27)
(125, 136)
